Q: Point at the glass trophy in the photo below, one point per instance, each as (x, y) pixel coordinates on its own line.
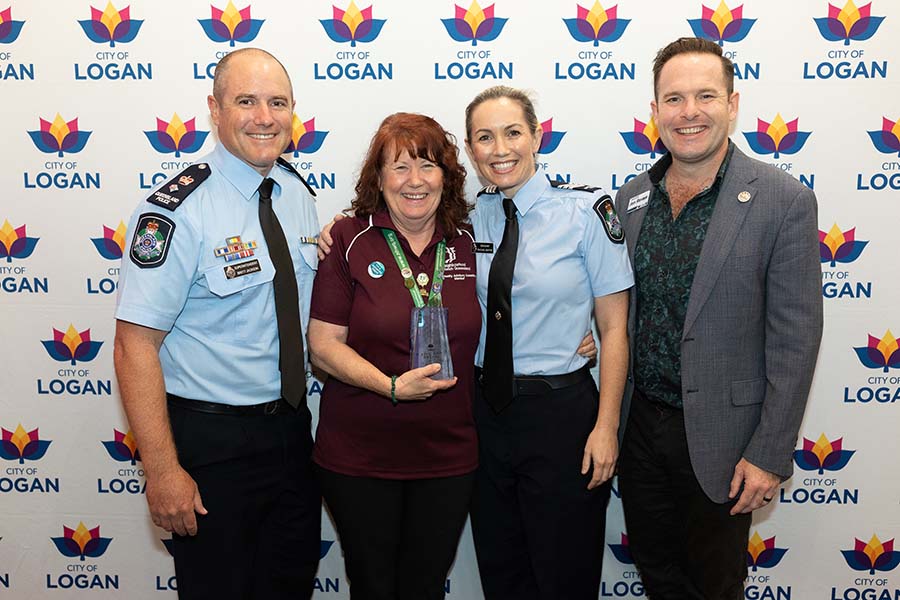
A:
(428, 340)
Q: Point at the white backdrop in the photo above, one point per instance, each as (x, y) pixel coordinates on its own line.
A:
(83, 103)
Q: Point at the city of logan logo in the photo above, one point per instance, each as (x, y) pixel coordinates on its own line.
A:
(644, 139)
(838, 246)
(81, 542)
(112, 245)
(880, 354)
(848, 23)
(231, 25)
(872, 556)
(622, 551)
(60, 136)
(15, 243)
(822, 455)
(123, 447)
(474, 24)
(777, 137)
(597, 24)
(763, 554)
(72, 346)
(9, 29)
(176, 136)
(550, 139)
(887, 139)
(111, 25)
(722, 25)
(352, 25)
(21, 445)
(304, 137)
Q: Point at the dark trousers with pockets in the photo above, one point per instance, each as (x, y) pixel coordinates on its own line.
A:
(262, 536)
(538, 531)
(399, 536)
(685, 545)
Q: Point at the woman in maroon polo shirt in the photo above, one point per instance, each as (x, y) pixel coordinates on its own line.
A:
(396, 449)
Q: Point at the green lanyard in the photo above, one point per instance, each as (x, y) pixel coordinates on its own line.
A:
(437, 282)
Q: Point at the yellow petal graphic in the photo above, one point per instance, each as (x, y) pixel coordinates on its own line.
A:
(652, 132)
(873, 549)
(59, 129)
(756, 546)
(7, 235)
(848, 16)
(834, 239)
(722, 17)
(119, 235)
(20, 439)
(352, 18)
(597, 17)
(81, 536)
(111, 18)
(887, 346)
(777, 130)
(176, 129)
(72, 339)
(474, 16)
(130, 442)
(231, 17)
(822, 448)
(297, 129)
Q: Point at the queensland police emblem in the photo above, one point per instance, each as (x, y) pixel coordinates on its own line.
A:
(153, 234)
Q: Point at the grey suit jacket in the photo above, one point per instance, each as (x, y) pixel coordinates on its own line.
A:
(753, 324)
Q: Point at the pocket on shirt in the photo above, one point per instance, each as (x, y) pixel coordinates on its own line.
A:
(240, 294)
(223, 282)
(310, 255)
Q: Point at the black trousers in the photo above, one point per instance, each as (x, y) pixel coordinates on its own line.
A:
(685, 545)
(262, 536)
(399, 537)
(538, 531)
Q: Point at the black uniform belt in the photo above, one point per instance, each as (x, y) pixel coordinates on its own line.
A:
(540, 384)
(266, 408)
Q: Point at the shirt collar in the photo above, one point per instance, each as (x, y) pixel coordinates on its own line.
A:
(658, 171)
(533, 189)
(242, 176)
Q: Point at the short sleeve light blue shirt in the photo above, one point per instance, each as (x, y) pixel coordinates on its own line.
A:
(222, 342)
(564, 260)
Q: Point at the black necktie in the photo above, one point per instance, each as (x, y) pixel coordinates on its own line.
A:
(287, 303)
(498, 356)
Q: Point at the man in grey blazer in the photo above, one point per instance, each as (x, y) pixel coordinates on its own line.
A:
(725, 325)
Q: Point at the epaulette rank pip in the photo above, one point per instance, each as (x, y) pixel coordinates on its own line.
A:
(173, 192)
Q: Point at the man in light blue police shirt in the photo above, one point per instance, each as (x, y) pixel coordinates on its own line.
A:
(201, 349)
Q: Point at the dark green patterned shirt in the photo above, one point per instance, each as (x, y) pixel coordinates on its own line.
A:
(665, 259)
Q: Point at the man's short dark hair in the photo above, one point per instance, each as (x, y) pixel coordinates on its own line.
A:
(692, 45)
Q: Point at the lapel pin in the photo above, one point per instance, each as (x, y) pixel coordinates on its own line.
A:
(744, 196)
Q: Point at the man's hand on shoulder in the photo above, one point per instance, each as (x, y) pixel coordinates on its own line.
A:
(760, 486)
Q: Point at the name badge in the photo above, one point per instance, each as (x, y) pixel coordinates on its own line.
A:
(639, 201)
(241, 269)
(483, 248)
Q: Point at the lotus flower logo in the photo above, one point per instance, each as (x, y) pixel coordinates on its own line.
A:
(644, 139)
(112, 244)
(622, 552)
(763, 553)
(776, 137)
(123, 448)
(550, 139)
(888, 139)
(822, 455)
(72, 346)
(15, 243)
(22, 445)
(722, 25)
(352, 25)
(475, 24)
(324, 547)
(872, 556)
(304, 137)
(60, 136)
(231, 25)
(838, 246)
(111, 25)
(880, 354)
(9, 29)
(848, 23)
(596, 25)
(176, 136)
(81, 542)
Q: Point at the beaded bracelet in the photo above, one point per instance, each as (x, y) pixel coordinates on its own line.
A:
(394, 390)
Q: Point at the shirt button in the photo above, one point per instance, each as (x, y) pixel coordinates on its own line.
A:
(497, 315)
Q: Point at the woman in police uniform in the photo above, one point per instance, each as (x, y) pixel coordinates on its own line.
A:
(548, 256)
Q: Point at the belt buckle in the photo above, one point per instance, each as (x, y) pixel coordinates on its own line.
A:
(270, 408)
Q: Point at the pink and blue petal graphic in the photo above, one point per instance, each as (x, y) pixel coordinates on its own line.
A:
(175, 136)
(722, 25)
(880, 353)
(777, 137)
(110, 26)
(848, 23)
(872, 556)
(81, 542)
(59, 137)
(352, 25)
(622, 551)
(838, 246)
(550, 139)
(20, 445)
(470, 25)
(305, 139)
(324, 547)
(762, 554)
(644, 139)
(15, 243)
(822, 455)
(122, 448)
(231, 25)
(591, 26)
(887, 140)
(9, 29)
(72, 346)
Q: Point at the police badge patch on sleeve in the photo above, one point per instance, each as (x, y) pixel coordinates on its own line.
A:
(607, 213)
(152, 237)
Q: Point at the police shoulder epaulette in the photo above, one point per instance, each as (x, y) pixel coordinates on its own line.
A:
(562, 185)
(488, 189)
(290, 168)
(173, 192)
